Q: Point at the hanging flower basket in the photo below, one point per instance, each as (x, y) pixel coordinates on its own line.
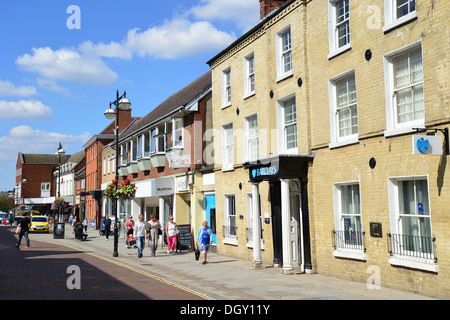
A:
(124, 191)
(58, 203)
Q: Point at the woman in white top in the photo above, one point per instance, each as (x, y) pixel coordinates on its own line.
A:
(171, 232)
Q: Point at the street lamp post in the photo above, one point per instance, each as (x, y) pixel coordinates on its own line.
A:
(60, 153)
(121, 103)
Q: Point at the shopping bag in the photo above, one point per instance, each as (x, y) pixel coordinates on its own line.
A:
(197, 253)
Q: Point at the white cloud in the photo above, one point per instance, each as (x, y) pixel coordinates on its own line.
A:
(28, 140)
(31, 109)
(67, 64)
(244, 13)
(177, 38)
(8, 89)
(52, 85)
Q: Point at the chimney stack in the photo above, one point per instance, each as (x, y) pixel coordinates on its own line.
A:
(267, 6)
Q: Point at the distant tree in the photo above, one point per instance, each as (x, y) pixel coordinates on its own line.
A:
(6, 204)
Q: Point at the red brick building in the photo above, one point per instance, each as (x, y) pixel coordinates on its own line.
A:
(93, 148)
(35, 182)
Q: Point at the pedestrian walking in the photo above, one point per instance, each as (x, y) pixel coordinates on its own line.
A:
(204, 238)
(141, 231)
(85, 225)
(171, 232)
(129, 225)
(23, 229)
(107, 226)
(155, 229)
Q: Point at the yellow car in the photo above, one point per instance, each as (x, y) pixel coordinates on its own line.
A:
(39, 224)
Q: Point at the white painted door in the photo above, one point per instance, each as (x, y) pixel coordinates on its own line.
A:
(295, 228)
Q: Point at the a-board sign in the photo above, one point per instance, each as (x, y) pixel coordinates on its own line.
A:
(58, 231)
(185, 237)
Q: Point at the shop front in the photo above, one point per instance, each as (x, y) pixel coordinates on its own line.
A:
(287, 176)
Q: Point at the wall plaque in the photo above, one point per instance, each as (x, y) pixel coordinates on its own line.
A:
(376, 230)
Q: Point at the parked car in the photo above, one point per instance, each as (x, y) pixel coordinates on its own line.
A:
(39, 224)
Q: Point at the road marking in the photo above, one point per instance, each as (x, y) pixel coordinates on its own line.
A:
(149, 275)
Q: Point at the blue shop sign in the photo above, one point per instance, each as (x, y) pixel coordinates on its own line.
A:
(263, 172)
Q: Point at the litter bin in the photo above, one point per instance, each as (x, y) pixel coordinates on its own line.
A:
(58, 231)
(78, 231)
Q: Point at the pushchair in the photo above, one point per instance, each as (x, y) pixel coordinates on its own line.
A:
(101, 230)
(131, 242)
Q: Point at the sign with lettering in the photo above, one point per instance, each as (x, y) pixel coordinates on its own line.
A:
(185, 237)
(179, 161)
(164, 186)
(264, 172)
(182, 184)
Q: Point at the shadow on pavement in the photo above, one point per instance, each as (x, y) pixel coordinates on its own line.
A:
(41, 272)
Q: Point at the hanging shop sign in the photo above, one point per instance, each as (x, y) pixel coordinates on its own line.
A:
(427, 145)
(179, 161)
(164, 186)
(182, 184)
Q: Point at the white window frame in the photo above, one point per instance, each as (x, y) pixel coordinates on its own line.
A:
(228, 214)
(140, 146)
(339, 224)
(248, 138)
(45, 189)
(395, 221)
(333, 33)
(392, 127)
(226, 88)
(390, 16)
(282, 143)
(133, 150)
(177, 131)
(336, 140)
(146, 144)
(227, 164)
(249, 75)
(281, 54)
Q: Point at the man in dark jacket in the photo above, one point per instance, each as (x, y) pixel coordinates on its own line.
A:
(107, 225)
(24, 225)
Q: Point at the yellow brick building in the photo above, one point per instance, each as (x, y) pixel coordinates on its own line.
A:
(333, 90)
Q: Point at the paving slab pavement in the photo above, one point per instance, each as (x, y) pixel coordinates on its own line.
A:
(227, 278)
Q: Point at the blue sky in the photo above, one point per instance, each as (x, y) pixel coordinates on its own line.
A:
(56, 82)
